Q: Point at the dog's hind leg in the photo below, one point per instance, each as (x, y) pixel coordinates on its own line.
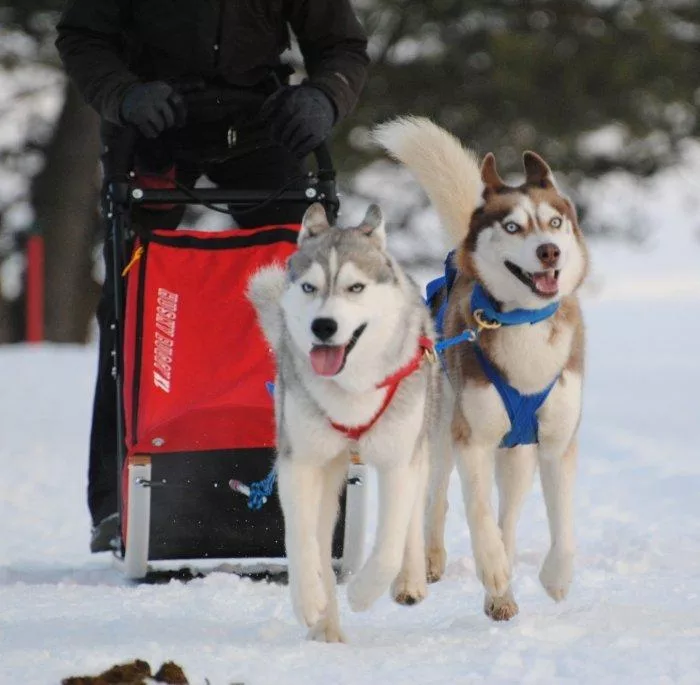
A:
(334, 473)
(441, 465)
(398, 487)
(557, 473)
(514, 471)
(300, 489)
(409, 587)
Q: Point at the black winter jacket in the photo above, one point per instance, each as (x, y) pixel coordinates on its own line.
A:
(108, 45)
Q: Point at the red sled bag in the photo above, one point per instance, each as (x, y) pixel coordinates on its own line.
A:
(195, 360)
(197, 404)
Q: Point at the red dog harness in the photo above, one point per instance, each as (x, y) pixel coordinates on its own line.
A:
(425, 349)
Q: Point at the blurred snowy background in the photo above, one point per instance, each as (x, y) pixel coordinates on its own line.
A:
(606, 90)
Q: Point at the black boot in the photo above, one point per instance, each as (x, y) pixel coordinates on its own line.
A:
(105, 535)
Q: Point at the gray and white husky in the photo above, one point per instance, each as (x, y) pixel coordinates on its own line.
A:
(351, 336)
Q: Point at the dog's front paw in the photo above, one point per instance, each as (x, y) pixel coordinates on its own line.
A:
(557, 573)
(492, 566)
(408, 592)
(308, 598)
(362, 592)
(435, 560)
(501, 608)
(371, 581)
(326, 631)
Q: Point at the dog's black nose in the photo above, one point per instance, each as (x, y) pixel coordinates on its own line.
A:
(323, 328)
(548, 254)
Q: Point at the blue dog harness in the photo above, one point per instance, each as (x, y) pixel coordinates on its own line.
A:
(522, 409)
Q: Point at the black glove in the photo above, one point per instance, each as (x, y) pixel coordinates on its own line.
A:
(300, 118)
(153, 107)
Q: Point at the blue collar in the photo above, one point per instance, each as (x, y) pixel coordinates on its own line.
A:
(481, 301)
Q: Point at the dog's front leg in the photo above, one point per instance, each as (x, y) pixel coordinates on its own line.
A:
(334, 473)
(398, 487)
(300, 489)
(514, 471)
(410, 586)
(475, 464)
(557, 473)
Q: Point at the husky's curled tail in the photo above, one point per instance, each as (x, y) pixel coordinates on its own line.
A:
(447, 171)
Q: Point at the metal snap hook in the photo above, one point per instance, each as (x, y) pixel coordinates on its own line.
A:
(483, 321)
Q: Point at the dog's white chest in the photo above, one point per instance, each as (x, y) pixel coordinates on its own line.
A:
(319, 433)
(529, 356)
(393, 439)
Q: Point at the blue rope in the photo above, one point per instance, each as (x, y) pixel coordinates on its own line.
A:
(468, 335)
(262, 490)
(259, 492)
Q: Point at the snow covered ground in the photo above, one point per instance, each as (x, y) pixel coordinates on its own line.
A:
(633, 615)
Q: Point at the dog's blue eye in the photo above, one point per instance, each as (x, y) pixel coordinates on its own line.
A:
(511, 227)
(308, 288)
(356, 288)
(556, 222)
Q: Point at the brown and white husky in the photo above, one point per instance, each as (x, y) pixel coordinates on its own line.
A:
(522, 248)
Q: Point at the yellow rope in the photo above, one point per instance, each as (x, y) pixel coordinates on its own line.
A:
(134, 258)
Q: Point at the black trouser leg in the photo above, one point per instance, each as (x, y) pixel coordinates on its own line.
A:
(102, 468)
(102, 472)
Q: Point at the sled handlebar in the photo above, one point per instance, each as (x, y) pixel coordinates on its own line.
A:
(118, 167)
(125, 187)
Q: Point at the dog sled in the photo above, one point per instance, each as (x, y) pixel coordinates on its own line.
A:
(194, 378)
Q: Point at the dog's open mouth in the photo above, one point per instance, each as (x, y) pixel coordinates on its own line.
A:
(542, 283)
(329, 360)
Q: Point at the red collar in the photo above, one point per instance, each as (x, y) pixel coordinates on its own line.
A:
(425, 348)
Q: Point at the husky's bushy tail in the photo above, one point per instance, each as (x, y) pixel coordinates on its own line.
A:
(265, 290)
(448, 172)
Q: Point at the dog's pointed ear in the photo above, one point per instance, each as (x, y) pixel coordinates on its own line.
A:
(373, 226)
(313, 223)
(489, 174)
(537, 171)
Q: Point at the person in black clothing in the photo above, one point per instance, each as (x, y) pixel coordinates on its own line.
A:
(138, 63)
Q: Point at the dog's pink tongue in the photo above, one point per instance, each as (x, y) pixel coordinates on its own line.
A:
(326, 360)
(546, 282)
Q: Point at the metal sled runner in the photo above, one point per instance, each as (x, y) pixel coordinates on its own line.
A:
(192, 371)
